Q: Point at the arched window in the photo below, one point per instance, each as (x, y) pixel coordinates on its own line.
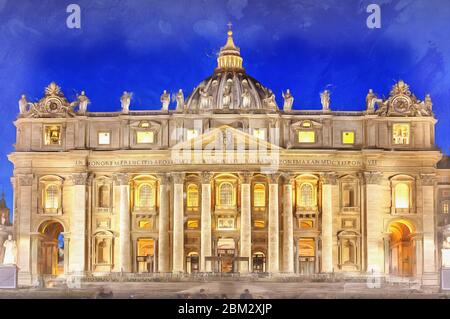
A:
(259, 195)
(402, 195)
(146, 196)
(226, 194)
(103, 196)
(51, 197)
(192, 195)
(306, 195)
(348, 196)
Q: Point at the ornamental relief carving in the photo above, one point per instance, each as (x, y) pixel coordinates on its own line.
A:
(372, 178)
(329, 178)
(25, 180)
(122, 179)
(427, 179)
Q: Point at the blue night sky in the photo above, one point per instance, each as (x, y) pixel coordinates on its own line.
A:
(146, 46)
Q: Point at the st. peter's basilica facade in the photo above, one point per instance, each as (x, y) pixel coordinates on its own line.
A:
(226, 181)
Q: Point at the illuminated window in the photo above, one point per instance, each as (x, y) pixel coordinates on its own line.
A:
(192, 195)
(144, 124)
(52, 197)
(306, 124)
(146, 196)
(400, 134)
(192, 224)
(104, 138)
(402, 195)
(145, 137)
(348, 137)
(145, 224)
(306, 137)
(259, 133)
(259, 195)
(103, 196)
(258, 223)
(191, 133)
(225, 223)
(145, 247)
(305, 224)
(52, 135)
(226, 195)
(445, 207)
(306, 195)
(306, 247)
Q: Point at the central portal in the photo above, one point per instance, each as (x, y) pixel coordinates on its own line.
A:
(226, 254)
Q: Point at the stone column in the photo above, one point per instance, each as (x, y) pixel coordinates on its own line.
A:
(418, 254)
(328, 182)
(387, 247)
(273, 233)
(125, 262)
(178, 223)
(246, 223)
(77, 257)
(374, 227)
(430, 275)
(163, 226)
(288, 225)
(25, 183)
(205, 236)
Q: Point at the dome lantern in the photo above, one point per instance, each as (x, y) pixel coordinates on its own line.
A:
(230, 55)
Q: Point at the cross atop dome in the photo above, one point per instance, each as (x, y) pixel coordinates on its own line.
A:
(230, 55)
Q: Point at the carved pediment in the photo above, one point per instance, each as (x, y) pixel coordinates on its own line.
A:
(53, 104)
(401, 102)
(225, 138)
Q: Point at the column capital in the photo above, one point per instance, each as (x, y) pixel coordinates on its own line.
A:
(329, 178)
(79, 178)
(288, 178)
(273, 178)
(25, 179)
(122, 178)
(427, 179)
(163, 178)
(206, 177)
(245, 177)
(178, 178)
(372, 178)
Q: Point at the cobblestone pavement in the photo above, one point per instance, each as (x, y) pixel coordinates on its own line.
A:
(215, 289)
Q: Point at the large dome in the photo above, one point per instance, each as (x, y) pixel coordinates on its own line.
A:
(230, 88)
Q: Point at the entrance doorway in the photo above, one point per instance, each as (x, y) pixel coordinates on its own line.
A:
(192, 262)
(226, 254)
(259, 262)
(145, 254)
(401, 248)
(51, 248)
(306, 256)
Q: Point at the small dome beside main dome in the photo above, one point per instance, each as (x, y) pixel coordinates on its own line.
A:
(230, 88)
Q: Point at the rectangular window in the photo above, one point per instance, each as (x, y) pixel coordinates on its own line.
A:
(146, 224)
(306, 136)
(104, 138)
(445, 207)
(192, 224)
(348, 137)
(52, 135)
(225, 223)
(191, 133)
(259, 133)
(305, 224)
(401, 134)
(145, 137)
(259, 223)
